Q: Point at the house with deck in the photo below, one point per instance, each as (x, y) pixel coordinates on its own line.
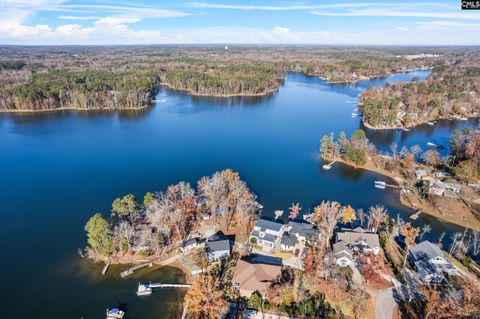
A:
(430, 262)
(218, 249)
(350, 241)
(267, 234)
(256, 273)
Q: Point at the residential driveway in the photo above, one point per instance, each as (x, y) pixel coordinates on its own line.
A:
(384, 304)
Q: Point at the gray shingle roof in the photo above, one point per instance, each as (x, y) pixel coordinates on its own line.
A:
(352, 237)
(220, 245)
(266, 224)
(426, 250)
(289, 240)
(302, 229)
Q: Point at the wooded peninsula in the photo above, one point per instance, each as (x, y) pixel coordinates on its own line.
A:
(40, 78)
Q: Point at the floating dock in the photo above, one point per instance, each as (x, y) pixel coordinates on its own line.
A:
(147, 289)
(328, 166)
(383, 185)
(415, 216)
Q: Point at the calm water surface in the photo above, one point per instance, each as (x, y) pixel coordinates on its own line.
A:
(57, 169)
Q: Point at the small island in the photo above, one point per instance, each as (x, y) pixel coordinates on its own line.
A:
(335, 262)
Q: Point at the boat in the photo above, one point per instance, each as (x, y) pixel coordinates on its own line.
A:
(380, 184)
(326, 167)
(161, 100)
(354, 114)
(355, 109)
(405, 129)
(115, 313)
(463, 119)
(431, 144)
(144, 290)
(431, 123)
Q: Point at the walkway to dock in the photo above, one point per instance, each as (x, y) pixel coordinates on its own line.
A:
(160, 285)
(131, 270)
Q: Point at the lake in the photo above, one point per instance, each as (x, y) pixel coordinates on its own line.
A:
(58, 169)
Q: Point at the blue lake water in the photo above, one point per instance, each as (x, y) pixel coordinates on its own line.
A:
(59, 168)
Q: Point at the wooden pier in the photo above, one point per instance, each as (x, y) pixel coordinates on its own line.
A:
(415, 216)
(104, 271)
(131, 270)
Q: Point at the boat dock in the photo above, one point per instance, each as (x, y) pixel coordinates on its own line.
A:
(328, 166)
(415, 216)
(383, 185)
(131, 270)
(147, 289)
(104, 271)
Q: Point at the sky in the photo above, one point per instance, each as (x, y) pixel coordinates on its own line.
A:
(57, 22)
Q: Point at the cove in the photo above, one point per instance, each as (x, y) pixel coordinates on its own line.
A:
(57, 169)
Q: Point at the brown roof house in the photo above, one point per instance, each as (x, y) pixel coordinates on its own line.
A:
(255, 273)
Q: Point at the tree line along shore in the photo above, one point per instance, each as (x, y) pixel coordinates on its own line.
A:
(85, 78)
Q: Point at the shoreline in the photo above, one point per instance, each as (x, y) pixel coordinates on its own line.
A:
(448, 118)
(370, 166)
(75, 109)
(190, 92)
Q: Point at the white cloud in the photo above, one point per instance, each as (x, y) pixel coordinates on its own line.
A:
(78, 18)
(397, 12)
(401, 29)
(206, 5)
(442, 25)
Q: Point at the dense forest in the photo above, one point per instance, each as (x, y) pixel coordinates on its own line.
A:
(47, 78)
(451, 91)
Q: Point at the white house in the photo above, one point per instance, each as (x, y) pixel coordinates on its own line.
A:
(302, 231)
(430, 262)
(342, 254)
(288, 242)
(189, 245)
(218, 249)
(356, 240)
(267, 234)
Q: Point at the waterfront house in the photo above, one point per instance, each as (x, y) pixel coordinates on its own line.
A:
(189, 245)
(342, 254)
(267, 234)
(302, 231)
(256, 273)
(350, 241)
(420, 173)
(218, 249)
(288, 242)
(430, 262)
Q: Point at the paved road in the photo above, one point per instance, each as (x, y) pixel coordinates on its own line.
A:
(384, 304)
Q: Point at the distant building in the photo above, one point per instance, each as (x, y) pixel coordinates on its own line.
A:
(357, 240)
(430, 262)
(255, 273)
(218, 249)
(267, 234)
